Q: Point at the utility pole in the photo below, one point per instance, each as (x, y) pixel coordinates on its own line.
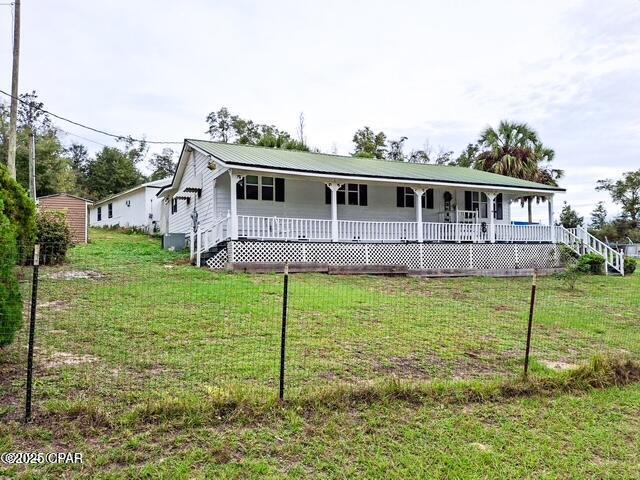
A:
(32, 164)
(13, 119)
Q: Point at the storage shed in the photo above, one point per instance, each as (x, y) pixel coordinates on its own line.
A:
(77, 213)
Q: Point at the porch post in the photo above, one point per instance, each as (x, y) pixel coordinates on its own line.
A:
(419, 192)
(334, 209)
(491, 196)
(551, 215)
(234, 179)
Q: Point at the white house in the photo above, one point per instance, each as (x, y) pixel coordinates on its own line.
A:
(137, 207)
(242, 205)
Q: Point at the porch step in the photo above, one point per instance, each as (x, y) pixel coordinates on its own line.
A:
(212, 252)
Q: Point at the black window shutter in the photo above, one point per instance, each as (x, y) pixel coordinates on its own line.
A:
(423, 200)
(279, 184)
(363, 195)
(240, 190)
(429, 195)
(467, 201)
(327, 195)
(400, 196)
(499, 210)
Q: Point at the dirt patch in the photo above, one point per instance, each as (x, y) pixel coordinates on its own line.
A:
(559, 365)
(60, 359)
(77, 274)
(404, 367)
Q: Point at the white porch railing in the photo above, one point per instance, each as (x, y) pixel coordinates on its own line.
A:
(454, 232)
(364, 231)
(205, 238)
(523, 233)
(279, 228)
(588, 243)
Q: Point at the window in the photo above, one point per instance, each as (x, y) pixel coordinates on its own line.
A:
(174, 206)
(251, 184)
(405, 197)
(351, 194)
(99, 214)
(478, 201)
(110, 207)
(253, 187)
(267, 188)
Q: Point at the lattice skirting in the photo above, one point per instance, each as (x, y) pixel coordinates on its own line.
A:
(218, 261)
(413, 256)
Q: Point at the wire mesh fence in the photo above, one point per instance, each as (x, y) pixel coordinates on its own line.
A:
(122, 323)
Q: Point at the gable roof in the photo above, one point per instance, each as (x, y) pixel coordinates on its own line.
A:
(292, 161)
(65, 195)
(155, 184)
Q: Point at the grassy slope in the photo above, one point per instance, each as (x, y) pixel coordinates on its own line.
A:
(157, 328)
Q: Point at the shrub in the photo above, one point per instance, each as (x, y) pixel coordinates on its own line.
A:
(630, 265)
(54, 236)
(591, 263)
(10, 299)
(18, 208)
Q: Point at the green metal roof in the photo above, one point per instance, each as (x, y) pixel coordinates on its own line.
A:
(337, 165)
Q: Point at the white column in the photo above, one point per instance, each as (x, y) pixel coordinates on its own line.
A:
(334, 209)
(419, 192)
(551, 215)
(234, 179)
(491, 196)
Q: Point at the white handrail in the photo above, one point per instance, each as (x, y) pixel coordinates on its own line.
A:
(282, 228)
(212, 235)
(581, 242)
(359, 230)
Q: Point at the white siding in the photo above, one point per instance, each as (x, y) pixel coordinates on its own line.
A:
(180, 222)
(132, 215)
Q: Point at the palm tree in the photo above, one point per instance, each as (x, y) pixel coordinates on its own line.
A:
(514, 149)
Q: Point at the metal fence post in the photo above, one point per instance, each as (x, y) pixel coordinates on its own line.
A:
(283, 334)
(531, 312)
(32, 332)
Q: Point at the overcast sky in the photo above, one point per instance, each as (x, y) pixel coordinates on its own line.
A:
(436, 72)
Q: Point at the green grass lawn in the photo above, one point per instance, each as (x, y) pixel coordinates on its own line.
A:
(133, 343)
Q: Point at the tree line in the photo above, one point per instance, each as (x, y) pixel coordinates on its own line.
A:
(623, 228)
(71, 169)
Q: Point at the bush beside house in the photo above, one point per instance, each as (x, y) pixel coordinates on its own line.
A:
(54, 236)
(630, 265)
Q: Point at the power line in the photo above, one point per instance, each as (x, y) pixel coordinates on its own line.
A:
(66, 132)
(97, 130)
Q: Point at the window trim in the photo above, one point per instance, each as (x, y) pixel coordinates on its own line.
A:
(99, 214)
(110, 210)
(277, 186)
(405, 198)
(342, 194)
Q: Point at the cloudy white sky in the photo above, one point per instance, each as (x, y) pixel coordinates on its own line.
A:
(436, 72)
